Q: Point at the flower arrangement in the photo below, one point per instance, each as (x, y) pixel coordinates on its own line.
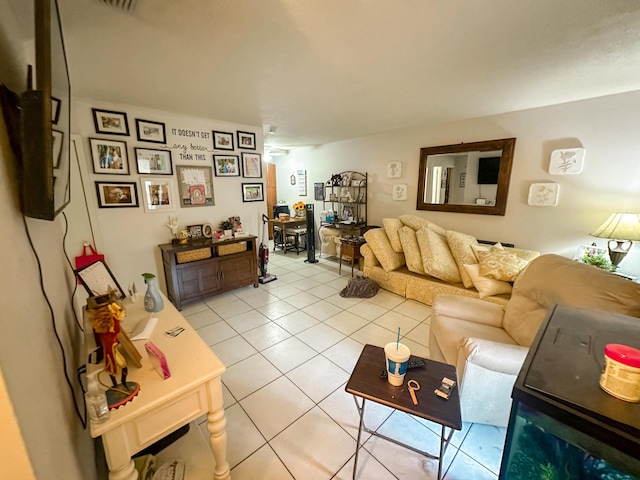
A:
(299, 208)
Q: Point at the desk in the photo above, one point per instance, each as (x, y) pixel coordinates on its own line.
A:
(163, 406)
(284, 224)
(351, 248)
(365, 382)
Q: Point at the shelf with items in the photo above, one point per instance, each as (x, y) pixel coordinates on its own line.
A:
(345, 200)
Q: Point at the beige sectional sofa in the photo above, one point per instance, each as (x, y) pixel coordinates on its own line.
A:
(417, 259)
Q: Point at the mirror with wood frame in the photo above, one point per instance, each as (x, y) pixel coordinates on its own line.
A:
(466, 177)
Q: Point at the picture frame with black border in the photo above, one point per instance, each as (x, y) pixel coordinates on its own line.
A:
(109, 156)
(195, 231)
(56, 103)
(117, 194)
(97, 279)
(246, 140)
(226, 165)
(252, 192)
(110, 122)
(223, 140)
(153, 161)
(158, 194)
(251, 165)
(57, 138)
(195, 186)
(318, 191)
(150, 131)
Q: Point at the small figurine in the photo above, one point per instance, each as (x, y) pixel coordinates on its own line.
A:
(173, 226)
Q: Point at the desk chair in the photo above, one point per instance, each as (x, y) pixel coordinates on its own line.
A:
(299, 236)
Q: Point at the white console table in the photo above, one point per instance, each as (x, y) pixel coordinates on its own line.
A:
(163, 406)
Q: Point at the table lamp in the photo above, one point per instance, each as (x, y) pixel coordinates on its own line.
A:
(621, 229)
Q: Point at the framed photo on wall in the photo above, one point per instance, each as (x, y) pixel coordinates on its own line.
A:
(222, 140)
(226, 165)
(153, 161)
(251, 165)
(109, 156)
(55, 110)
(113, 123)
(158, 194)
(57, 146)
(149, 131)
(252, 192)
(117, 194)
(195, 185)
(247, 140)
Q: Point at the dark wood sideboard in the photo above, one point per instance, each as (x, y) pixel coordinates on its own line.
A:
(208, 267)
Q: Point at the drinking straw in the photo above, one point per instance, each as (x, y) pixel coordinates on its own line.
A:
(398, 341)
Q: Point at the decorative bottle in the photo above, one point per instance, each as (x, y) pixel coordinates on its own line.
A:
(152, 300)
(96, 401)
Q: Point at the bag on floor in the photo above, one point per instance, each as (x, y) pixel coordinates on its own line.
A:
(360, 287)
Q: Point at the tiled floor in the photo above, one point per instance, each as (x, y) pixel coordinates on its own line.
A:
(289, 347)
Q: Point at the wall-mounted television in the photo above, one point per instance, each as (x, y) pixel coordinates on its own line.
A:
(488, 170)
(45, 120)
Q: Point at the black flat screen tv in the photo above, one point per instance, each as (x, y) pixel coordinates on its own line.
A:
(488, 170)
(45, 120)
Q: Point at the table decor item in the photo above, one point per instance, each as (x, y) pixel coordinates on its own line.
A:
(152, 300)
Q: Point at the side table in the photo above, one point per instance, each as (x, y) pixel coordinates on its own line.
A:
(351, 248)
(365, 382)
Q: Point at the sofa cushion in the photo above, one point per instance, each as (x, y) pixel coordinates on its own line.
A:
(437, 258)
(381, 248)
(417, 223)
(460, 245)
(486, 286)
(391, 227)
(411, 250)
(527, 255)
(499, 264)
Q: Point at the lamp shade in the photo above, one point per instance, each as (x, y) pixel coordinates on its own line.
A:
(620, 226)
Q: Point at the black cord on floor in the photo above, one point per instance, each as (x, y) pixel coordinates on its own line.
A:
(53, 323)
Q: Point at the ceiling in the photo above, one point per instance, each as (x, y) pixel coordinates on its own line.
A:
(326, 70)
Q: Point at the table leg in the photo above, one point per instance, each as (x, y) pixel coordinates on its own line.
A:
(124, 472)
(118, 456)
(355, 460)
(216, 423)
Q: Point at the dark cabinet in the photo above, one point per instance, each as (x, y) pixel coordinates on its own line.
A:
(208, 267)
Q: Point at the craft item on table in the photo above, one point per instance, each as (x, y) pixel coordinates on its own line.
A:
(105, 316)
(158, 360)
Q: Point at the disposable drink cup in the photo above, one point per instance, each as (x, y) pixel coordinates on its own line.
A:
(397, 358)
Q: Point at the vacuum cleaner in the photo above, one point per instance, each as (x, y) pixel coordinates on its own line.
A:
(263, 255)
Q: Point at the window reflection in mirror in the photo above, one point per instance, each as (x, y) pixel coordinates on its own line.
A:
(466, 178)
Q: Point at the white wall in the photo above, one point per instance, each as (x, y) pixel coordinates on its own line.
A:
(606, 127)
(129, 237)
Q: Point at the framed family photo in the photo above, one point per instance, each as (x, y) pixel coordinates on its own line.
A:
(226, 165)
(117, 194)
(153, 161)
(113, 123)
(195, 186)
(149, 131)
(158, 194)
(251, 165)
(252, 192)
(109, 156)
(222, 140)
(247, 140)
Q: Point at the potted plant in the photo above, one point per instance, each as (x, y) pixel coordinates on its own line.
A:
(227, 227)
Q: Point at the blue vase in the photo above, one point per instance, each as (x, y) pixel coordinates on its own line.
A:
(152, 299)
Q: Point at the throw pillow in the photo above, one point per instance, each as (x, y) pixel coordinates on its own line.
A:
(483, 248)
(411, 250)
(461, 247)
(499, 264)
(417, 223)
(486, 286)
(437, 259)
(381, 248)
(391, 227)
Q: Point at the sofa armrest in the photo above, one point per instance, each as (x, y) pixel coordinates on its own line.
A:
(468, 308)
(370, 259)
(495, 356)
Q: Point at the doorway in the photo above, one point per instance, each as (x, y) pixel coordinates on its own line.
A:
(272, 192)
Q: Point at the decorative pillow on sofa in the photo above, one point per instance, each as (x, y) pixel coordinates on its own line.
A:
(411, 250)
(499, 264)
(486, 286)
(461, 246)
(391, 227)
(437, 259)
(381, 248)
(417, 223)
